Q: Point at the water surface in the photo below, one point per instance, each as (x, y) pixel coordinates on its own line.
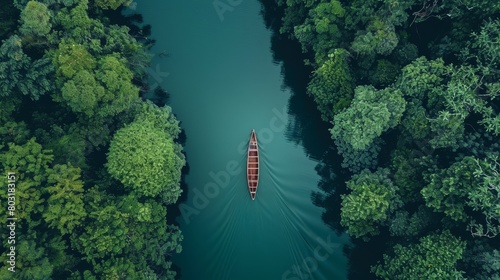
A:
(223, 83)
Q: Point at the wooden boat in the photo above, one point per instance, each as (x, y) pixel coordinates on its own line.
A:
(253, 165)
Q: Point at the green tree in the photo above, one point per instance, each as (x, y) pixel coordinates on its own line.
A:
(356, 160)
(407, 174)
(117, 268)
(434, 257)
(9, 105)
(160, 117)
(100, 39)
(105, 233)
(483, 53)
(151, 236)
(116, 78)
(406, 224)
(31, 163)
(485, 197)
(66, 229)
(415, 122)
(77, 24)
(379, 38)
(34, 264)
(144, 158)
(332, 85)
(446, 93)
(443, 154)
(103, 87)
(320, 31)
(38, 79)
(53, 4)
(35, 19)
(67, 142)
(384, 73)
(19, 73)
(489, 263)
(481, 261)
(372, 199)
(9, 15)
(13, 132)
(371, 113)
(65, 209)
(82, 93)
(363, 12)
(71, 58)
(449, 188)
(423, 78)
(96, 131)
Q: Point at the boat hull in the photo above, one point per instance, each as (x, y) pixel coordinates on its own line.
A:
(253, 165)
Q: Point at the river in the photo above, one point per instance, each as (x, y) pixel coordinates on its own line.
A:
(224, 80)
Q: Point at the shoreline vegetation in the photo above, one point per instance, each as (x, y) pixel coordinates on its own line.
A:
(410, 90)
(97, 166)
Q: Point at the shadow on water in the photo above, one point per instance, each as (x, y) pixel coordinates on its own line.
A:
(173, 210)
(308, 129)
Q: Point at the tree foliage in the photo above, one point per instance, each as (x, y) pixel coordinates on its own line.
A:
(35, 19)
(485, 197)
(372, 199)
(144, 157)
(21, 74)
(433, 257)
(371, 113)
(449, 188)
(93, 87)
(332, 85)
(356, 160)
(406, 224)
(320, 31)
(468, 185)
(66, 210)
(379, 38)
(73, 220)
(31, 163)
(106, 235)
(425, 79)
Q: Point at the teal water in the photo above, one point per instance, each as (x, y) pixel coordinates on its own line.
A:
(223, 83)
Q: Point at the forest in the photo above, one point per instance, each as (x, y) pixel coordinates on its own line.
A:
(410, 90)
(95, 167)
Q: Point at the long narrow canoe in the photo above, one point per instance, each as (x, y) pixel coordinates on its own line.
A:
(253, 165)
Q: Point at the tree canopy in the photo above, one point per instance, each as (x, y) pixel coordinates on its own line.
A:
(372, 199)
(144, 157)
(410, 90)
(69, 91)
(433, 257)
